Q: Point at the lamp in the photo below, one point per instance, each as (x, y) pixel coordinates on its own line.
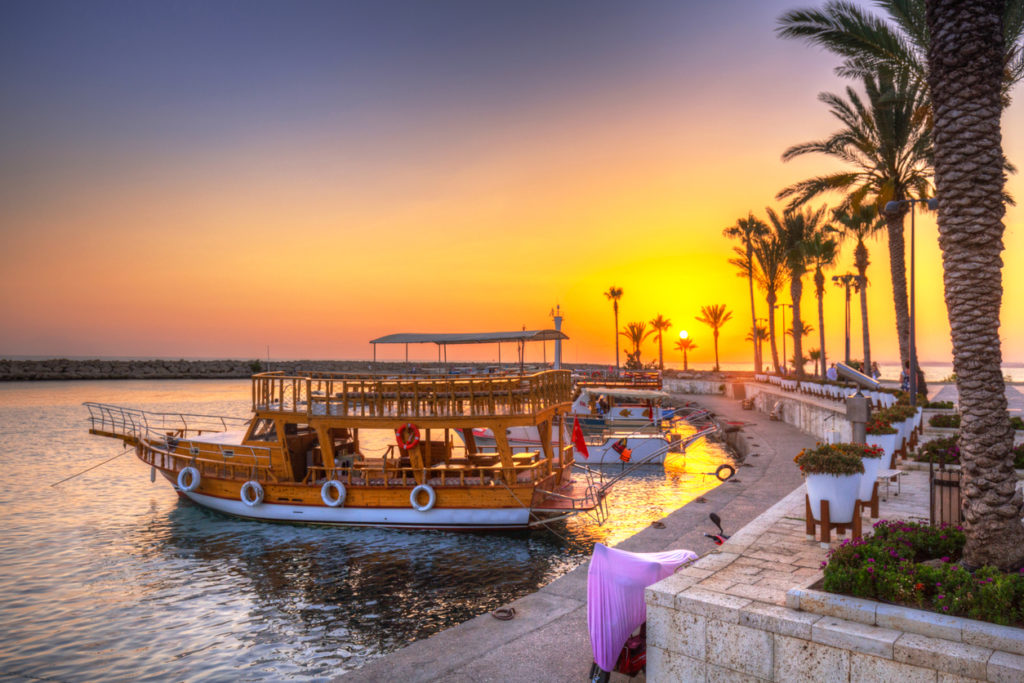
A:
(893, 207)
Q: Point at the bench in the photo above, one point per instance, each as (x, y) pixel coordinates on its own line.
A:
(890, 476)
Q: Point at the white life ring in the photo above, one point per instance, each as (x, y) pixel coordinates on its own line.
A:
(431, 497)
(256, 490)
(193, 479)
(333, 493)
(728, 469)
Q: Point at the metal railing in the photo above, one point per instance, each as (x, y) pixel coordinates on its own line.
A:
(138, 424)
(166, 440)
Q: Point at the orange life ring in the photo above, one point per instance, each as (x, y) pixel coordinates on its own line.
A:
(408, 435)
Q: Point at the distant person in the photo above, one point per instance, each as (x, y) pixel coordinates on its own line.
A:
(832, 374)
(905, 376)
(876, 373)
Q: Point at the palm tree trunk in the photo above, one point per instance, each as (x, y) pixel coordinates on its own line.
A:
(661, 353)
(716, 349)
(965, 75)
(795, 292)
(771, 331)
(685, 364)
(819, 285)
(898, 272)
(861, 261)
(753, 313)
(615, 307)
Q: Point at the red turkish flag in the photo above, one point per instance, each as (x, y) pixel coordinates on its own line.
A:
(577, 438)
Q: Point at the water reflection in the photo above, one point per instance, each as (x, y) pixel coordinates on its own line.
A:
(111, 576)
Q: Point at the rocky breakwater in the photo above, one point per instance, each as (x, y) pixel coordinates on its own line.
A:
(64, 369)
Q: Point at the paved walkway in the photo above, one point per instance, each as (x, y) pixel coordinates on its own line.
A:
(548, 639)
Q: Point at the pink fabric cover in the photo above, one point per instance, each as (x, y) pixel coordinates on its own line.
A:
(615, 595)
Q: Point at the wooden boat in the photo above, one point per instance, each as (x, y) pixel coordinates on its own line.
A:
(299, 458)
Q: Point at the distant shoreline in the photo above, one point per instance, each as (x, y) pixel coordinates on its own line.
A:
(64, 369)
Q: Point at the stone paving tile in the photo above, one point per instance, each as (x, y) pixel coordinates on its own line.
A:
(764, 594)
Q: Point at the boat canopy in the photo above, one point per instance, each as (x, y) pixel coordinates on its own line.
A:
(443, 340)
(469, 337)
(616, 392)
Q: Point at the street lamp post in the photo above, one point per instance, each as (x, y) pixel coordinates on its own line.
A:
(845, 280)
(785, 361)
(893, 207)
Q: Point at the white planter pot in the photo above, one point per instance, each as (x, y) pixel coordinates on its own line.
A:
(887, 442)
(839, 490)
(867, 481)
(903, 431)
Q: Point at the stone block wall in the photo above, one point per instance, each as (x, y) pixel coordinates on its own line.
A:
(814, 416)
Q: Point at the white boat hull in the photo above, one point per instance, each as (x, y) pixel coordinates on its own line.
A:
(642, 447)
(467, 519)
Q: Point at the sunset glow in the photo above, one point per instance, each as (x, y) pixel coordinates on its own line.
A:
(210, 179)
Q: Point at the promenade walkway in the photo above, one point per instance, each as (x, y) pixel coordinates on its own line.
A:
(548, 639)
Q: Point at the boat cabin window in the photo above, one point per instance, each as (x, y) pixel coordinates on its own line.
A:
(263, 430)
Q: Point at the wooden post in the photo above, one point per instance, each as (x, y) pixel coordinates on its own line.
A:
(826, 523)
(874, 501)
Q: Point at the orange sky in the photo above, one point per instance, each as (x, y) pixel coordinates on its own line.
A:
(311, 231)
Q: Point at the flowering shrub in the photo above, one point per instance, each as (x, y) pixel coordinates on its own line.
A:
(860, 450)
(879, 427)
(945, 421)
(888, 566)
(943, 451)
(946, 451)
(831, 459)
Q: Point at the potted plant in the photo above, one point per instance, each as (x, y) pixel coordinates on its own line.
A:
(833, 473)
(882, 435)
(871, 458)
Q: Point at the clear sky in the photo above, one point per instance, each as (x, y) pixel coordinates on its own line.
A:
(209, 178)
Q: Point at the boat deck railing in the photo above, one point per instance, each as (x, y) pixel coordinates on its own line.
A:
(138, 424)
(167, 440)
(223, 461)
(388, 475)
(325, 394)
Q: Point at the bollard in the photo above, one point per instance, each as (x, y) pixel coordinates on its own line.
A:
(858, 412)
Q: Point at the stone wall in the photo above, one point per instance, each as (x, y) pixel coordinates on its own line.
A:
(682, 385)
(64, 369)
(817, 417)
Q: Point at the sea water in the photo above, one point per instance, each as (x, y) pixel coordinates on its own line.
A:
(109, 576)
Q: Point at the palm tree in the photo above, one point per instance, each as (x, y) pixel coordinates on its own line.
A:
(770, 275)
(661, 324)
(811, 355)
(745, 230)
(886, 141)
(965, 71)
(636, 333)
(614, 294)
(793, 230)
(822, 251)
(870, 44)
(757, 334)
(715, 315)
(860, 222)
(685, 345)
(815, 355)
